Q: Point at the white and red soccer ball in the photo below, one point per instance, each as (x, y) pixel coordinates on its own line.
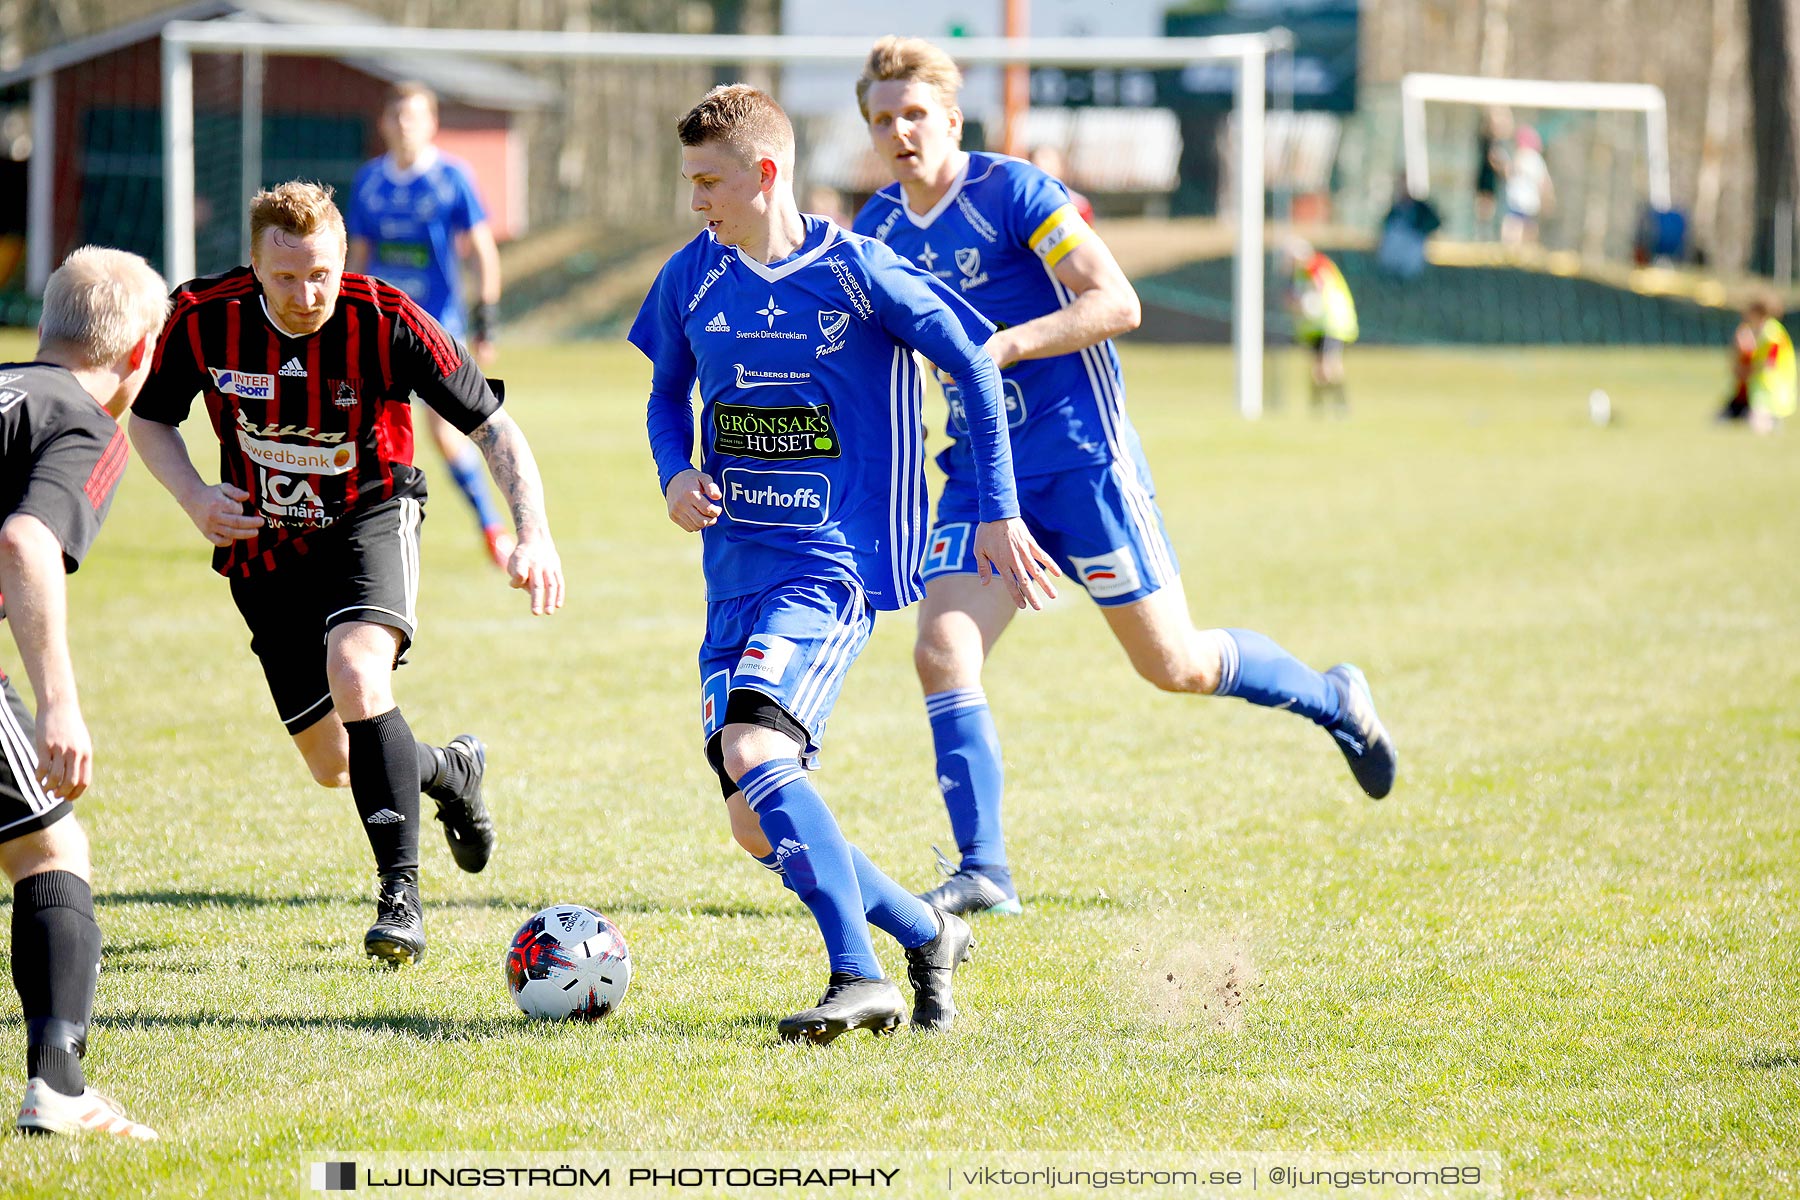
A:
(568, 963)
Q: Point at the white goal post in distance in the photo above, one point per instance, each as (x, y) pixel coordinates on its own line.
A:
(180, 39)
(1646, 98)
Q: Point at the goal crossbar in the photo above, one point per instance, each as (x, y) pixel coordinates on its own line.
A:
(180, 39)
(1645, 98)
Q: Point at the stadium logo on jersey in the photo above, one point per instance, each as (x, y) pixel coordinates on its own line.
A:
(796, 499)
(748, 377)
(946, 550)
(968, 261)
(766, 657)
(718, 324)
(713, 276)
(1112, 574)
(832, 324)
(242, 384)
(776, 434)
(301, 460)
(293, 369)
(859, 300)
(1010, 392)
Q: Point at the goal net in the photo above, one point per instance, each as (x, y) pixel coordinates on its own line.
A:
(576, 129)
(1603, 146)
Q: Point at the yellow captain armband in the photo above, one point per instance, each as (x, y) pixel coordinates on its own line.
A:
(1061, 232)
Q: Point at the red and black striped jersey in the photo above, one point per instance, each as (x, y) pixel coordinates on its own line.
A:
(61, 454)
(312, 427)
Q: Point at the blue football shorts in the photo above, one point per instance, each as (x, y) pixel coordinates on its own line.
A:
(1100, 523)
(793, 642)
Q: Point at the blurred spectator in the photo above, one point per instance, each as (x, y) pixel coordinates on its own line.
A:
(1401, 252)
(827, 202)
(1529, 194)
(1743, 354)
(1770, 386)
(1495, 128)
(1049, 160)
(1324, 319)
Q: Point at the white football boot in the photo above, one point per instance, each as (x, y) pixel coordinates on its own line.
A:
(47, 1110)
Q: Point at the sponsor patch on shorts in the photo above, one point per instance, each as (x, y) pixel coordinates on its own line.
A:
(766, 657)
(1107, 575)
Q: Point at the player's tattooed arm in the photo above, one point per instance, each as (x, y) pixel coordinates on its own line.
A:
(535, 565)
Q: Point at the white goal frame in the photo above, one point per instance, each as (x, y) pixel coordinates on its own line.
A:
(1418, 88)
(180, 39)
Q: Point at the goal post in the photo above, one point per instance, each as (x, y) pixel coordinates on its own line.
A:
(181, 39)
(1418, 88)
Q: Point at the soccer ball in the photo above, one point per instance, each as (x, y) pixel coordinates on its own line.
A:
(568, 963)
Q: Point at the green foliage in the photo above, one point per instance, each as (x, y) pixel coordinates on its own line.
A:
(1568, 936)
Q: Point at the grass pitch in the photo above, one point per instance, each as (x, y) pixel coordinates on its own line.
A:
(1569, 936)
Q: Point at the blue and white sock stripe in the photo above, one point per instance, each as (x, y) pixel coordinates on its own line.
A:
(759, 783)
(1229, 661)
(840, 650)
(906, 481)
(939, 703)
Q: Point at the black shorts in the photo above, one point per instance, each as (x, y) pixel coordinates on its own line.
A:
(1320, 345)
(24, 808)
(363, 568)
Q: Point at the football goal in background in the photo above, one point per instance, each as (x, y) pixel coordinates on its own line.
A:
(641, 131)
(1615, 171)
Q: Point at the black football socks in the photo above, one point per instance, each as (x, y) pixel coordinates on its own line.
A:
(384, 779)
(55, 963)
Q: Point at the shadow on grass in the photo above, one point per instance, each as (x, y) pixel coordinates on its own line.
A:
(425, 1029)
(1772, 1060)
(220, 899)
(444, 1029)
(520, 904)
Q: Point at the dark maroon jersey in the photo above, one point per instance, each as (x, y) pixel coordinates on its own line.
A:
(312, 427)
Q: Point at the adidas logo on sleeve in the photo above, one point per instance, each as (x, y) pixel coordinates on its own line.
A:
(293, 369)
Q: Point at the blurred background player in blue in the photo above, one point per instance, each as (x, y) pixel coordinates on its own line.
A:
(413, 215)
(1007, 238)
(810, 501)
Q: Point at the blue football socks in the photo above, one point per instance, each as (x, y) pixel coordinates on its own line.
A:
(887, 906)
(890, 907)
(466, 469)
(1252, 667)
(815, 860)
(970, 776)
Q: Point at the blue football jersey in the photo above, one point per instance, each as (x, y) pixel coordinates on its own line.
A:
(995, 237)
(811, 419)
(410, 221)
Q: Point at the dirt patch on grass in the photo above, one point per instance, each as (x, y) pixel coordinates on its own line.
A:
(1206, 982)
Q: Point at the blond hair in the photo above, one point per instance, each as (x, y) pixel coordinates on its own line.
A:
(100, 303)
(405, 90)
(910, 60)
(298, 207)
(745, 118)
